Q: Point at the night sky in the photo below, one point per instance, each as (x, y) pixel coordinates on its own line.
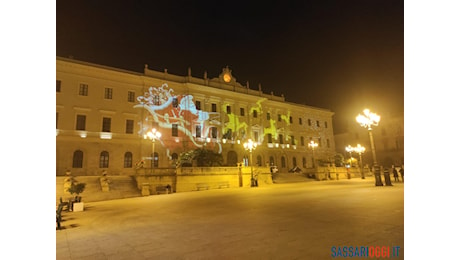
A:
(340, 55)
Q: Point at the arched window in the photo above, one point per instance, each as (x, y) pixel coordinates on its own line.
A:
(283, 162)
(272, 161)
(104, 160)
(128, 163)
(294, 162)
(304, 162)
(77, 161)
(259, 160)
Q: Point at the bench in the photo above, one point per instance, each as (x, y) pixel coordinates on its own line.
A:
(59, 215)
(163, 189)
(200, 186)
(223, 184)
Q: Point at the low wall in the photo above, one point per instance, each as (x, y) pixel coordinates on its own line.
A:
(202, 178)
(333, 173)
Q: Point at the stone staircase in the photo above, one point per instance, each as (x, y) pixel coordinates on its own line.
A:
(290, 178)
(120, 187)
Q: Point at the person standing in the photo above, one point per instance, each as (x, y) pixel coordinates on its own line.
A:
(401, 171)
(395, 174)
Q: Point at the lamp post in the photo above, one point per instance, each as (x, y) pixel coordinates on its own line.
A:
(368, 120)
(350, 149)
(153, 135)
(250, 146)
(313, 145)
(360, 149)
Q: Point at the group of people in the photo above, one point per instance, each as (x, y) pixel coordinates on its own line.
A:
(395, 173)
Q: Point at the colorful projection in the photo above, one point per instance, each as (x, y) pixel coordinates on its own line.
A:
(184, 127)
(178, 119)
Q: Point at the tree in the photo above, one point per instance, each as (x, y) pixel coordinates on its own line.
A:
(203, 158)
(339, 160)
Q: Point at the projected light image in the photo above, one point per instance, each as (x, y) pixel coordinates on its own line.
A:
(182, 124)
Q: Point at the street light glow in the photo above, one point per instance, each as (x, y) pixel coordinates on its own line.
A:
(153, 135)
(250, 146)
(368, 120)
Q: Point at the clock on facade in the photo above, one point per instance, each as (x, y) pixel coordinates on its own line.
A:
(227, 77)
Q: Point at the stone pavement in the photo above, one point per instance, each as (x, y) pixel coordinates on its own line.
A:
(302, 220)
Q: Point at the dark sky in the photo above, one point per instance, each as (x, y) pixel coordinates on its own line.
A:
(341, 55)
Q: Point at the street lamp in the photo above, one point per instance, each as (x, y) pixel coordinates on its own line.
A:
(350, 149)
(368, 120)
(153, 135)
(360, 149)
(250, 146)
(313, 145)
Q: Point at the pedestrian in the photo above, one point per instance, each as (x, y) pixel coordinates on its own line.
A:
(395, 174)
(401, 171)
(386, 174)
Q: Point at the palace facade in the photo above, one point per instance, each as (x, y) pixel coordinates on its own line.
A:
(104, 113)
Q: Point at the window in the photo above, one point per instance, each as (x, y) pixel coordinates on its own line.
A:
(254, 113)
(309, 122)
(174, 156)
(300, 121)
(304, 162)
(317, 123)
(241, 111)
(229, 109)
(131, 95)
(83, 90)
(175, 103)
(325, 124)
(156, 100)
(228, 135)
(256, 136)
(268, 116)
(292, 140)
(319, 142)
(294, 162)
(214, 132)
(81, 122)
(281, 139)
(106, 123)
(279, 118)
(198, 105)
(128, 163)
(58, 86)
(129, 126)
(108, 93)
(213, 107)
(269, 137)
(155, 160)
(174, 130)
(290, 119)
(57, 116)
(328, 144)
(259, 160)
(77, 161)
(104, 160)
(198, 131)
(302, 141)
(283, 162)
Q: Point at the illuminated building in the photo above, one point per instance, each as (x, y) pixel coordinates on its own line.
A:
(102, 114)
